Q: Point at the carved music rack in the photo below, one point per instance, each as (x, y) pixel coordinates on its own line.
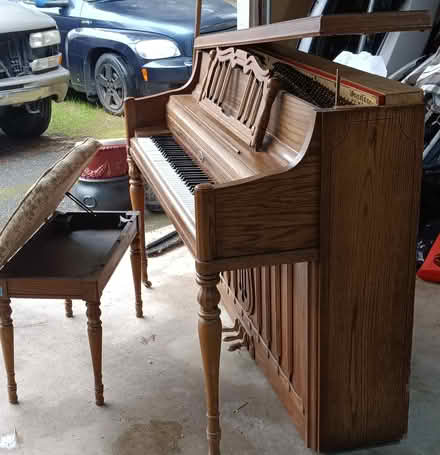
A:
(253, 115)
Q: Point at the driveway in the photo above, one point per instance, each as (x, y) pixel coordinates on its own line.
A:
(21, 163)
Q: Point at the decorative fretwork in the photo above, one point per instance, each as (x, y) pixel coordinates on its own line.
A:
(252, 117)
(243, 282)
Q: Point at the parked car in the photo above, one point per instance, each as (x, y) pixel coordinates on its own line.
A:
(120, 48)
(30, 73)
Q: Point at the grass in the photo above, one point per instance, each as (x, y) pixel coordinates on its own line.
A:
(78, 117)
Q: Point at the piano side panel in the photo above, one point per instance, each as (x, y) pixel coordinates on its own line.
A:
(274, 213)
(275, 318)
(371, 172)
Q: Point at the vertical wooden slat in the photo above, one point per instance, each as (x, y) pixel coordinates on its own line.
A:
(216, 67)
(265, 301)
(251, 120)
(300, 295)
(225, 84)
(311, 395)
(250, 101)
(234, 282)
(221, 80)
(258, 293)
(275, 308)
(208, 76)
(244, 100)
(287, 304)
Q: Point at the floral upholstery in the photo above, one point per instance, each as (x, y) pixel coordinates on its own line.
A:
(43, 198)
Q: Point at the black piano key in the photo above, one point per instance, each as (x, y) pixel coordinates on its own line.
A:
(186, 169)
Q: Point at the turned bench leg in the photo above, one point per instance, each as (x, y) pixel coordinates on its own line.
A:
(68, 308)
(7, 341)
(136, 268)
(210, 333)
(137, 198)
(94, 326)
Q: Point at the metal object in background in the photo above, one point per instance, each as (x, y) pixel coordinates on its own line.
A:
(363, 39)
(79, 203)
(104, 183)
(164, 244)
(103, 194)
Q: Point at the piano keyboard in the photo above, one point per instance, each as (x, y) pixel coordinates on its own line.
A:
(180, 173)
(183, 165)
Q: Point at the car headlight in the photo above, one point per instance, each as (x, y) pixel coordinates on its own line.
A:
(157, 48)
(43, 39)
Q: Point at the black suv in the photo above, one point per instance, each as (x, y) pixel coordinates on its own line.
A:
(120, 48)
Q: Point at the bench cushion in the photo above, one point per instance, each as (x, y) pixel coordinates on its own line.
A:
(43, 198)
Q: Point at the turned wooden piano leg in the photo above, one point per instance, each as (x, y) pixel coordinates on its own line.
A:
(136, 268)
(138, 203)
(7, 341)
(210, 333)
(94, 326)
(68, 308)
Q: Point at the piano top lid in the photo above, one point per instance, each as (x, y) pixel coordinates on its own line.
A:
(327, 25)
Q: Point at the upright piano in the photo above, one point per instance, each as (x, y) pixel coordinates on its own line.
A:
(295, 184)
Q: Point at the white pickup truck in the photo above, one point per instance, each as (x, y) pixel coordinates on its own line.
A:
(31, 75)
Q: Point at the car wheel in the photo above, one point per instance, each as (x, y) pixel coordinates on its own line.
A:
(19, 122)
(113, 83)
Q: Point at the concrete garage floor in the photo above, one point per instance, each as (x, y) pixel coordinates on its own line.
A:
(152, 369)
(153, 379)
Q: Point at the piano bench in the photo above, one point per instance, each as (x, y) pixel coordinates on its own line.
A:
(71, 256)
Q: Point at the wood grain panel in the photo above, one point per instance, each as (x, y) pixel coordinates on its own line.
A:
(274, 279)
(281, 213)
(334, 24)
(281, 296)
(367, 252)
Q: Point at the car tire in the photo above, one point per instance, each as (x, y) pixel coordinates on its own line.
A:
(18, 122)
(113, 83)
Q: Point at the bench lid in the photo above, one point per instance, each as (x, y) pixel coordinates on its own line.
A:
(43, 198)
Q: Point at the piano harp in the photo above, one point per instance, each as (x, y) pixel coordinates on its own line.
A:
(300, 208)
